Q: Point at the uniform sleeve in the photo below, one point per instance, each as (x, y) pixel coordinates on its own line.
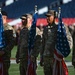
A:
(42, 46)
(22, 43)
(50, 43)
(9, 40)
(69, 37)
(36, 49)
(71, 29)
(18, 48)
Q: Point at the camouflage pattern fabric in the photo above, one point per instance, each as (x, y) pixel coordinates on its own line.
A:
(23, 66)
(48, 46)
(47, 51)
(22, 50)
(72, 31)
(48, 65)
(10, 42)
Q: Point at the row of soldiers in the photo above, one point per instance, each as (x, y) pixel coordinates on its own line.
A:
(45, 46)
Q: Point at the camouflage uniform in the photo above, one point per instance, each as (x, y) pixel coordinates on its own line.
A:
(72, 30)
(49, 41)
(47, 55)
(22, 52)
(48, 44)
(22, 49)
(9, 41)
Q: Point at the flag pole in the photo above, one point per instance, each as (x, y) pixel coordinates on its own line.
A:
(0, 10)
(2, 44)
(35, 8)
(59, 9)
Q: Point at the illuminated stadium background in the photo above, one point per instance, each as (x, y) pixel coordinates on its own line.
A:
(20, 7)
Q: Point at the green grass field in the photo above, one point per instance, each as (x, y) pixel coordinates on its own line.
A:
(14, 68)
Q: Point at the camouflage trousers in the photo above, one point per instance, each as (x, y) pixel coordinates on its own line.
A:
(23, 66)
(35, 64)
(48, 65)
(7, 66)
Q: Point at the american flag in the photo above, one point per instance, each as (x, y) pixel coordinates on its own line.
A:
(31, 65)
(2, 44)
(62, 49)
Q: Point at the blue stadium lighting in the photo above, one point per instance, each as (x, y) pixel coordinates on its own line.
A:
(66, 1)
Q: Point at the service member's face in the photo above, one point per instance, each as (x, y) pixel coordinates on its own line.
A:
(4, 19)
(29, 21)
(50, 19)
(24, 22)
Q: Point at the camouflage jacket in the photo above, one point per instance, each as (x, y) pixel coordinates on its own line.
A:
(22, 49)
(9, 42)
(49, 36)
(8, 27)
(49, 39)
(72, 31)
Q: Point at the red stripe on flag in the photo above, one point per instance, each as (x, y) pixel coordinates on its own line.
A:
(58, 55)
(31, 70)
(59, 67)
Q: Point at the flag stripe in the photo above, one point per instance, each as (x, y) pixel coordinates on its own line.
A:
(62, 49)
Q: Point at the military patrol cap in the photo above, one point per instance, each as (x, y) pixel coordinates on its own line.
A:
(23, 17)
(4, 13)
(51, 12)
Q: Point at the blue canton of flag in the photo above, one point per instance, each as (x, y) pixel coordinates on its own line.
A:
(62, 43)
(2, 42)
(32, 33)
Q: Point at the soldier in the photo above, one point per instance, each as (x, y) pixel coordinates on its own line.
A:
(9, 42)
(48, 43)
(22, 52)
(22, 49)
(72, 30)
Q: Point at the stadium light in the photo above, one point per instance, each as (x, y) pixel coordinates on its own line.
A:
(42, 10)
(66, 1)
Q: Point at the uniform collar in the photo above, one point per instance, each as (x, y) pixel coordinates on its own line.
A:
(51, 25)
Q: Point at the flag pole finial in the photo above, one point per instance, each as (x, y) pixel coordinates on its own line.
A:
(0, 10)
(59, 9)
(36, 9)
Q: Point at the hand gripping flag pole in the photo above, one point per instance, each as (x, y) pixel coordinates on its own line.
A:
(2, 44)
(31, 70)
(62, 49)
